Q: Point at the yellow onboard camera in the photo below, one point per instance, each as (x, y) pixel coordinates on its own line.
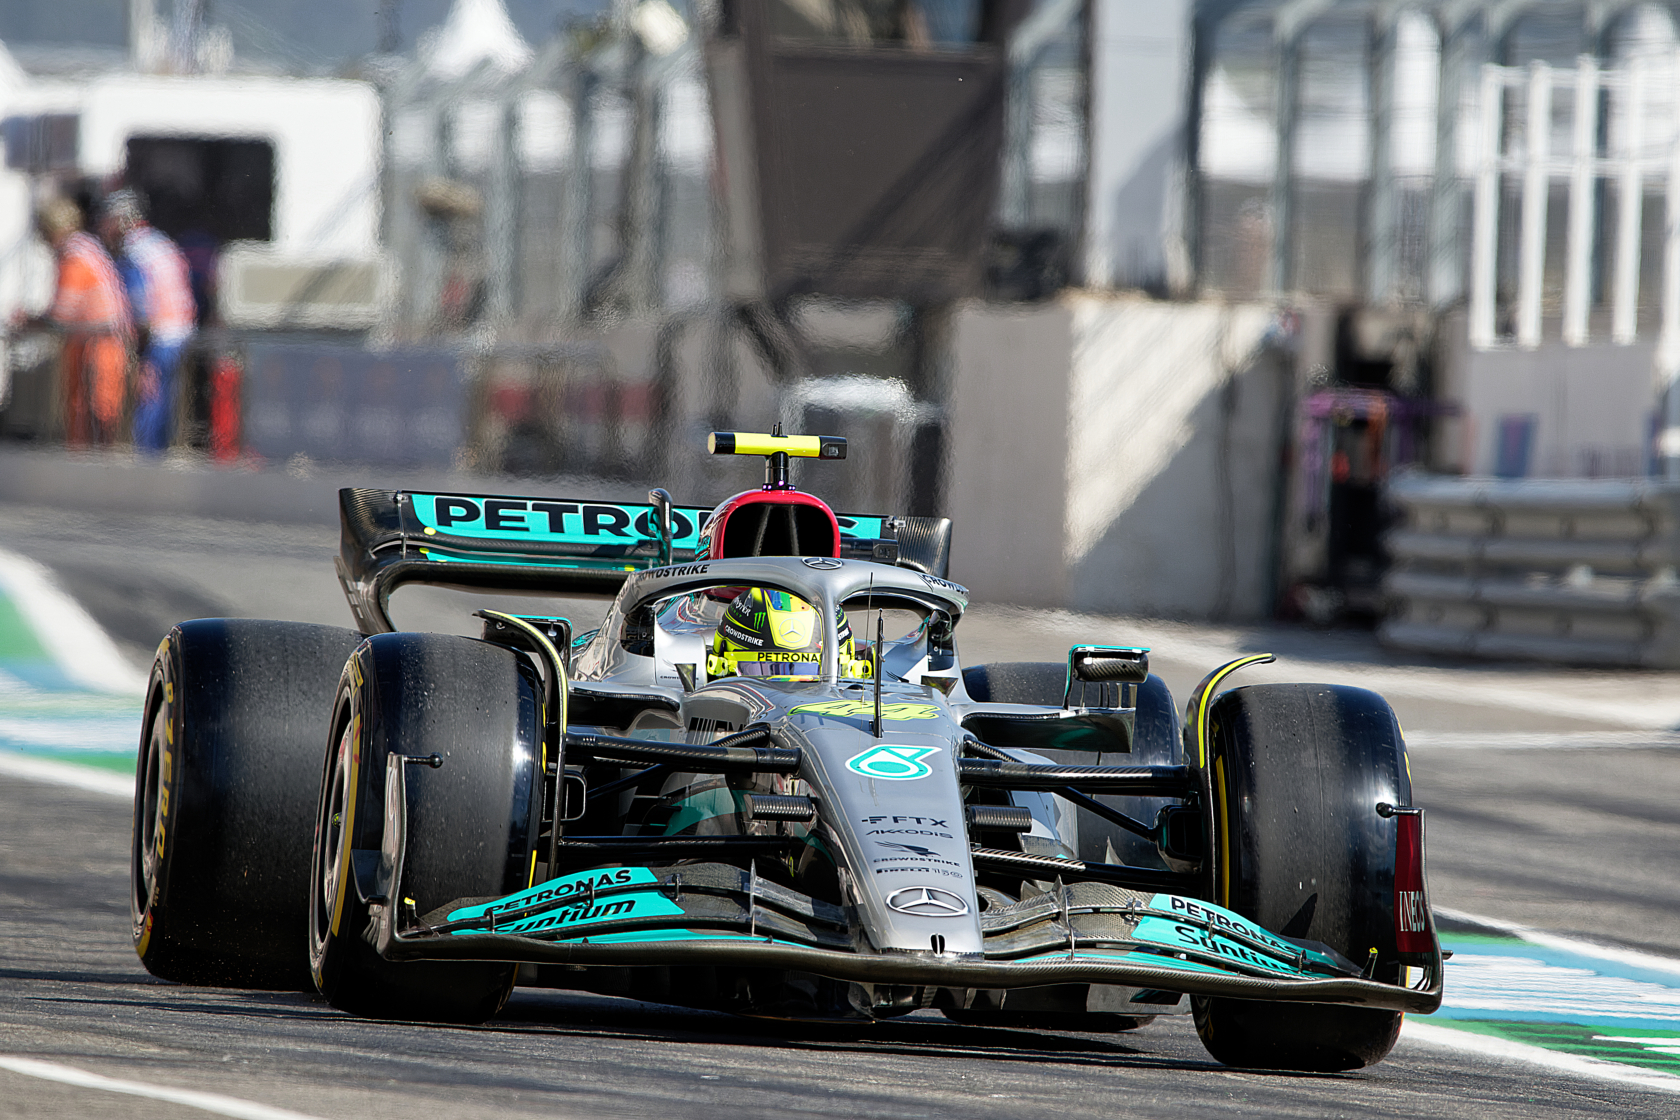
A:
(777, 449)
(757, 443)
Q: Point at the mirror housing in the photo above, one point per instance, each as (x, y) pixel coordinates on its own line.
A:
(1106, 665)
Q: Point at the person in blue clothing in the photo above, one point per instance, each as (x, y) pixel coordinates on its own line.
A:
(159, 286)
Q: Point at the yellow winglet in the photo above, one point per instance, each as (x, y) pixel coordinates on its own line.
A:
(1202, 699)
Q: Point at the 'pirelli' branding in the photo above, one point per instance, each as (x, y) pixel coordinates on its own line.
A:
(896, 855)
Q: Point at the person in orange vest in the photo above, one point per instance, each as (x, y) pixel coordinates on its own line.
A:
(155, 275)
(88, 306)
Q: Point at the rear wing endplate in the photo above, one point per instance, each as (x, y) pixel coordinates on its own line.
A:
(553, 545)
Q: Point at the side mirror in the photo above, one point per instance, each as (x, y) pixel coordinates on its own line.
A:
(660, 500)
(1105, 665)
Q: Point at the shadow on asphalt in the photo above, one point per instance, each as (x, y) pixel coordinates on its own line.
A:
(583, 1015)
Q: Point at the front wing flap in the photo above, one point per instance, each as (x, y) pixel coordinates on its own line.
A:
(719, 914)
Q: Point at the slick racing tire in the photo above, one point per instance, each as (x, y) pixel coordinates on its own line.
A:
(1155, 742)
(1298, 770)
(224, 799)
(471, 822)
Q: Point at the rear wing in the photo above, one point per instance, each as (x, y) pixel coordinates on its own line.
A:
(554, 545)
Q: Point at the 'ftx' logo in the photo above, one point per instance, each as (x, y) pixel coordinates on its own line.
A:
(928, 822)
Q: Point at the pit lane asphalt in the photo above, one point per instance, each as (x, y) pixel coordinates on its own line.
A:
(1576, 841)
(73, 993)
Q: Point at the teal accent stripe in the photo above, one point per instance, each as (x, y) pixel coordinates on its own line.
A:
(1571, 1002)
(43, 714)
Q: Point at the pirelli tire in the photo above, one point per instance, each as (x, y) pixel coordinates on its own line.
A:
(471, 820)
(1297, 773)
(235, 716)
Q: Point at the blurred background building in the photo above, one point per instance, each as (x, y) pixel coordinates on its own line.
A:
(1151, 296)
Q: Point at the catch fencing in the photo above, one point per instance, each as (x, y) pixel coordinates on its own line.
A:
(1571, 571)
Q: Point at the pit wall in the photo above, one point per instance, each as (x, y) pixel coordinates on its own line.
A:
(1119, 454)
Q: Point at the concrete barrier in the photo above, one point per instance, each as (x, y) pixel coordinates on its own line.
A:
(1117, 454)
(1577, 571)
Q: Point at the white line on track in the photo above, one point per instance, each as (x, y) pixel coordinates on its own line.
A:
(1540, 937)
(1646, 701)
(1541, 740)
(80, 646)
(208, 1102)
(70, 774)
(1469, 1042)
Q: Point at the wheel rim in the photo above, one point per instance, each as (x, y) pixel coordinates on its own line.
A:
(331, 837)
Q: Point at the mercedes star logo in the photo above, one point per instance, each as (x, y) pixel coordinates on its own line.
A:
(822, 563)
(927, 902)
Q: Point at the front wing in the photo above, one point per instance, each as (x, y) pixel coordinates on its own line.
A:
(718, 914)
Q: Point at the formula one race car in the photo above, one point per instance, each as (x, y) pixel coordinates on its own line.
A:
(765, 784)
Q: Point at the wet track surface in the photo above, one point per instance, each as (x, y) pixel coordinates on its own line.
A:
(1580, 841)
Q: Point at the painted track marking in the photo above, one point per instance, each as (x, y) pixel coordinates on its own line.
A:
(1523, 994)
(72, 639)
(66, 774)
(192, 1098)
(66, 693)
(1542, 740)
(1452, 1038)
(1631, 957)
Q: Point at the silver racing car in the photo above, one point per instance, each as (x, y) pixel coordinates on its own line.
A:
(766, 784)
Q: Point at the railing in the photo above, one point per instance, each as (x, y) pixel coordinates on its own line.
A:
(1572, 571)
(1622, 138)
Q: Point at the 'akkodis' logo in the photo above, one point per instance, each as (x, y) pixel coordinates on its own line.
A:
(895, 764)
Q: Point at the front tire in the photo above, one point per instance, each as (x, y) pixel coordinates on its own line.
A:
(1298, 771)
(236, 712)
(472, 823)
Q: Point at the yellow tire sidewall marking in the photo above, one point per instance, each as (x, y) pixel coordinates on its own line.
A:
(347, 825)
(159, 825)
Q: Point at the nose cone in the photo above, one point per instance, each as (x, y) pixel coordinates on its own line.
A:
(894, 809)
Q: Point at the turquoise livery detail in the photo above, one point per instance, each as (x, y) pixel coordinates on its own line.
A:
(892, 763)
(571, 901)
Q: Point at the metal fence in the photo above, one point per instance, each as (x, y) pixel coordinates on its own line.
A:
(1572, 571)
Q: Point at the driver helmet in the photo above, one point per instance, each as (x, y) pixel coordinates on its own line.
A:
(770, 633)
